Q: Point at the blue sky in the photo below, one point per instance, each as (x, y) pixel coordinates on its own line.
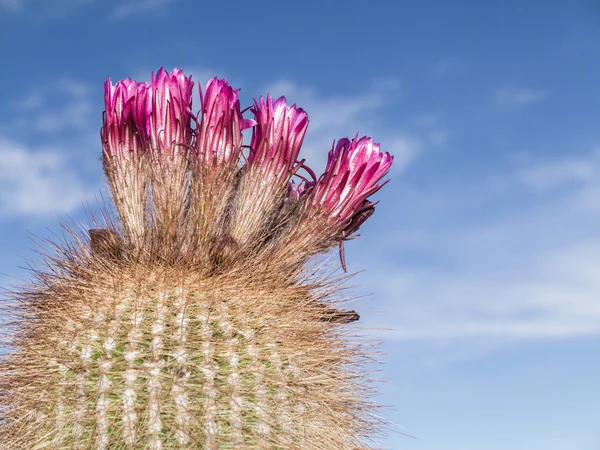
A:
(483, 258)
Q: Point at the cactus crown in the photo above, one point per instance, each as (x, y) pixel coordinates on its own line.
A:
(192, 322)
(183, 193)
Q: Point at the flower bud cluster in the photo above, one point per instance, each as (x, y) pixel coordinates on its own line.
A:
(153, 121)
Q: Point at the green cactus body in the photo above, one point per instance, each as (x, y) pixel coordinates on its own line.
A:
(195, 321)
(164, 360)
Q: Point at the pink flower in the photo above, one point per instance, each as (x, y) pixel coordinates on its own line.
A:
(220, 131)
(170, 100)
(125, 110)
(277, 137)
(353, 170)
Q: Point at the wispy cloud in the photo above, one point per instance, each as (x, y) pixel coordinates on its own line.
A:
(37, 182)
(519, 97)
(541, 302)
(75, 110)
(41, 9)
(44, 150)
(11, 5)
(543, 177)
(334, 117)
(135, 7)
(501, 272)
(31, 101)
(64, 105)
(446, 66)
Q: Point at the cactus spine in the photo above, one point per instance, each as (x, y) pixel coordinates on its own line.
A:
(178, 328)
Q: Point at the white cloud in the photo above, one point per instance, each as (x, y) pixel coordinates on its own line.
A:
(527, 301)
(65, 105)
(73, 88)
(201, 75)
(334, 117)
(135, 7)
(31, 101)
(331, 112)
(559, 173)
(493, 272)
(425, 120)
(42, 8)
(45, 9)
(74, 115)
(404, 148)
(11, 5)
(38, 182)
(437, 137)
(519, 97)
(446, 66)
(45, 149)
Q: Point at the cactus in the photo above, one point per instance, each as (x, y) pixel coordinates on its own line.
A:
(199, 318)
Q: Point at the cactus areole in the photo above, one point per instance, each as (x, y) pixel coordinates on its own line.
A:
(198, 317)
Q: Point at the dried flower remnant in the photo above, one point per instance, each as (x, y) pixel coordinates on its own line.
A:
(193, 324)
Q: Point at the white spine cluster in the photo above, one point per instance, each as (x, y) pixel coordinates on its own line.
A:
(154, 371)
(261, 408)
(59, 409)
(131, 353)
(284, 410)
(85, 357)
(105, 384)
(209, 370)
(181, 373)
(233, 379)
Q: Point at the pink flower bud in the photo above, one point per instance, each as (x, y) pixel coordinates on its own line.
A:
(170, 98)
(220, 132)
(125, 109)
(353, 170)
(277, 137)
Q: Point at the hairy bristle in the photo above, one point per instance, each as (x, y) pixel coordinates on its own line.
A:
(173, 358)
